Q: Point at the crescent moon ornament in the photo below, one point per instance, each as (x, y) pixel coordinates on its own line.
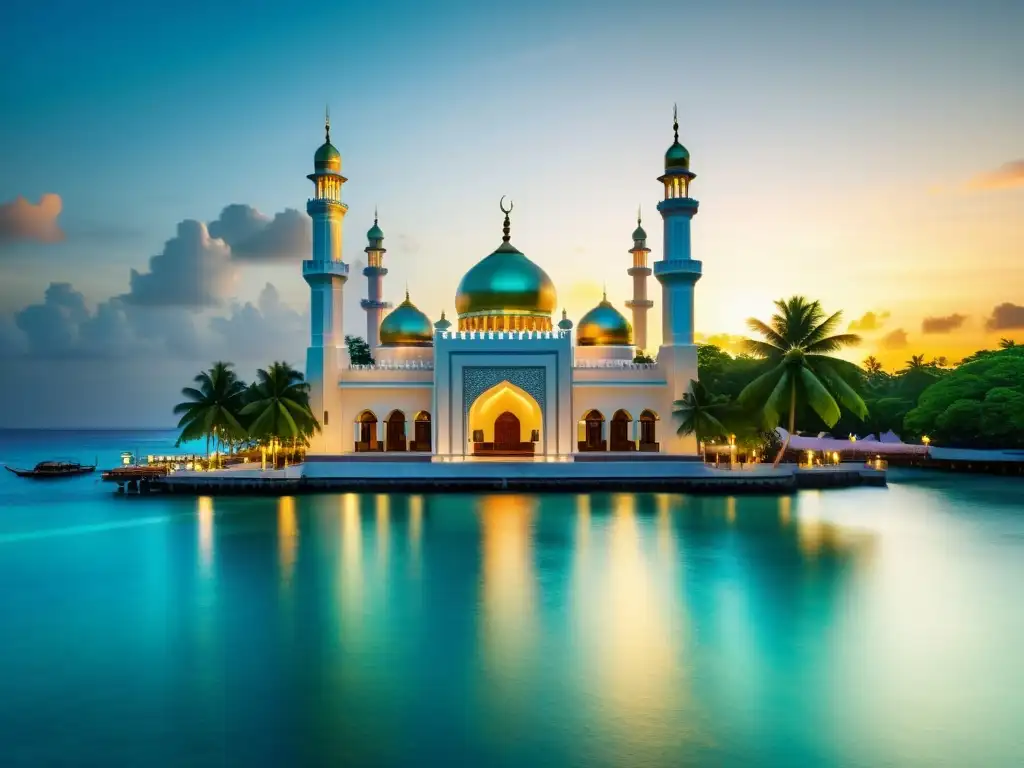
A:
(501, 204)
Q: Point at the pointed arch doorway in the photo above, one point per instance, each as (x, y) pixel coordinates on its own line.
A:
(504, 421)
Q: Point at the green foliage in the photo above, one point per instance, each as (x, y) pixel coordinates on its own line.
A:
(642, 358)
(280, 406)
(798, 367)
(212, 408)
(358, 350)
(978, 405)
(700, 413)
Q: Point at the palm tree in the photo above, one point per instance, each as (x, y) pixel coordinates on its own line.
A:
(212, 408)
(279, 406)
(700, 413)
(796, 348)
(872, 365)
(1007, 343)
(915, 362)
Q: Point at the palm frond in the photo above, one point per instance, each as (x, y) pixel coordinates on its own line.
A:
(819, 397)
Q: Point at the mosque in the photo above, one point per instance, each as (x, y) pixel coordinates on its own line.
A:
(509, 379)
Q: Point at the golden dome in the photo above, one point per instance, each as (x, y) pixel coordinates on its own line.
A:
(406, 326)
(604, 326)
(505, 291)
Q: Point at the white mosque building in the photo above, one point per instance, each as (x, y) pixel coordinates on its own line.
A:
(509, 379)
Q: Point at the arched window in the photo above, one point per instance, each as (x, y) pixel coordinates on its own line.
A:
(395, 432)
(366, 432)
(618, 434)
(593, 429)
(648, 433)
(421, 432)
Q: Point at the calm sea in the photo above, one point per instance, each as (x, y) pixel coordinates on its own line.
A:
(863, 627)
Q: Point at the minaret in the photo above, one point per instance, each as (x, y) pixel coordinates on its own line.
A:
(678, 273)
(326, 274)
(375, 270)
(640, 271)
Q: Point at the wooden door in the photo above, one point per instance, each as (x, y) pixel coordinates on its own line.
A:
(506, 432)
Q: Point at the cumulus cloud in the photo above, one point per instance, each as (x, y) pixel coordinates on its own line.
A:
(1007, 176)
(62, 326)
(254, 236)
(1005, 317)
(943, 324)
(869, 321)
(22, 220)
(894, 339)
(194, 270)
(266, 330)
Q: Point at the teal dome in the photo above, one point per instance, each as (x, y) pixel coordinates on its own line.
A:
(639, 234)
(565, 323)
(677, 158)
(604, 326)
(327, 158)
(375, 232)
(406, 326)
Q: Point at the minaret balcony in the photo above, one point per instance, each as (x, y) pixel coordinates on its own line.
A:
(640, 303)
(375, 271)
(330, 268)
(371, 304)
(642, 271)
(684, 205)
(683, 270)
(315, 204)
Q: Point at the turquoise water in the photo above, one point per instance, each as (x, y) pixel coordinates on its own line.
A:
(862, 627)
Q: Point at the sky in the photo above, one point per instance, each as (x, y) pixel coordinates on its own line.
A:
(869, 155)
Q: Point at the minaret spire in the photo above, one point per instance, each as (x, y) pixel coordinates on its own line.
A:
(327, 123)
(374, 303)
(640, 270)
(675, 121)
(508, 226)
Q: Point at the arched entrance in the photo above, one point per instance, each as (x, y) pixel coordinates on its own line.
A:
(421, 432)
(618, 434)
(648, 431)
(504, 420)
(395, 432)
(592, 438)
(366, 432)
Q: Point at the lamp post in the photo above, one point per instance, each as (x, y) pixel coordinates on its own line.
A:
(926, 440)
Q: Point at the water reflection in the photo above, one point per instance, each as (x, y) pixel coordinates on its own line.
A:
(383, 533)
(508, 582)
(415, 530)
(204, 510)
(287, 537)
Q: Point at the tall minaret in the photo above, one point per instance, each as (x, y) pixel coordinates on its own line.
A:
(640, 271)
(326, 274)
(678, 273)
(375, 270)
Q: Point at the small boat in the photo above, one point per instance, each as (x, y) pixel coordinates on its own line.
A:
(48, 469)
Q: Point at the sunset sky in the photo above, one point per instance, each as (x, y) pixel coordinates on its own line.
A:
(870, 155)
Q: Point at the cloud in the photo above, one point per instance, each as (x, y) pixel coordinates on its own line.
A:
(63, 327)
(1007, 176)
(194, 270)
(254, 236)
(724, 341)
(1006, 316)
(264, 331)
(869, 321)
(942, 324)
(21, 220)
(894, 339)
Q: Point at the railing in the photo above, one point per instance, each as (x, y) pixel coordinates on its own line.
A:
(619, 364)
(386, 365)
(326, 267)
(503, 335)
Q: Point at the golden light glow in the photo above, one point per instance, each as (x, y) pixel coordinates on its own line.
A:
(287, 536)
(383, 503)
(498, 399)
(415, 526)
(204, 509)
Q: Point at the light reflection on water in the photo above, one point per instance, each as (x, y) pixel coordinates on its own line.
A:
(859, 628)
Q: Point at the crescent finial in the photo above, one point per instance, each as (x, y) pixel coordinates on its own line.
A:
(501, 204)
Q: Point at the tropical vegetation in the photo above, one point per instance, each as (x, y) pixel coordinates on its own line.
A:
(790, 376)
(271, 412)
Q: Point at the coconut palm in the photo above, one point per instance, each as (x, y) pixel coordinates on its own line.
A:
(915, 362)
(872, 365)
(1007, 343)
(796, 349)
(700, 413)
(212, 408)
(279, 406)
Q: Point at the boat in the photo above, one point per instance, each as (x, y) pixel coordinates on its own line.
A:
(48, 469)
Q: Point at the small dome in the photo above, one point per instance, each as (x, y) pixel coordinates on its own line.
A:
(565, 323)
(444, 323)
(406, 326)
(506, 280)
(677, 158)
(375, 232)
(604, 326)
(639, 234)
(327, 158)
